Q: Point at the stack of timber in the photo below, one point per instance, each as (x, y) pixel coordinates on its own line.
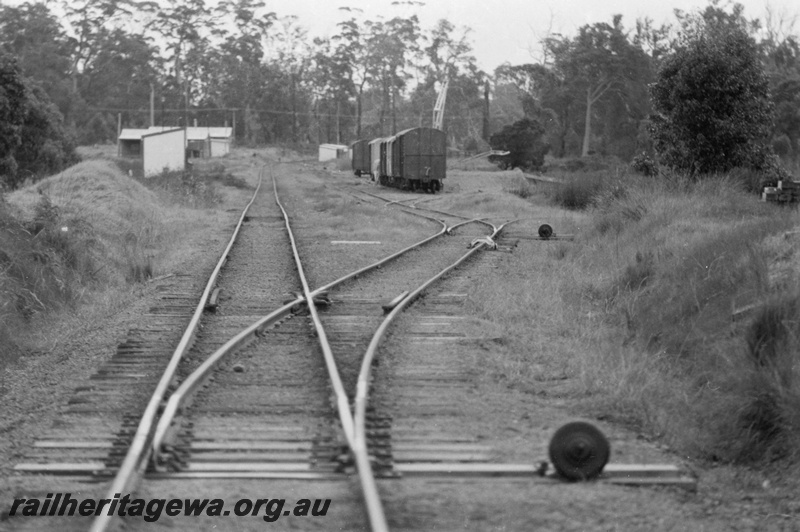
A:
(785, 192)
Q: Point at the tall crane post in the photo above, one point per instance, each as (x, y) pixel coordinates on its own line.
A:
(438, 109)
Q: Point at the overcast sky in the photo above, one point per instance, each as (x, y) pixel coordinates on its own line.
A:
(506, 30)
(509, 30)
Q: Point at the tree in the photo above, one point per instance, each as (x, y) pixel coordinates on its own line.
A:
(184, 26)
(332, 79)
(593, 89)
(12, 115)
(598, 62)
(120, 76)
(523, 139)
(292, 56)
(712, 106)
(34, 36)
(393, 43)
(33, 141)
(546, 96)
(235, 77)
(360, 62)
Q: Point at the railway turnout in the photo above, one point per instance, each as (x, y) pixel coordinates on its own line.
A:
(265, 387)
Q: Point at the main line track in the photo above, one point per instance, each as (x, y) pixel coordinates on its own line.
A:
(177, 442)
(272, 447)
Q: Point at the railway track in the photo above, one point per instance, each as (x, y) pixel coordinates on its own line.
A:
(293, 392)
(290, 431)
(294, 434)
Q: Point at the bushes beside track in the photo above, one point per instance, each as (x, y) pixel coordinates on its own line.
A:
(670, 264)
(676, 311)
(87, 236)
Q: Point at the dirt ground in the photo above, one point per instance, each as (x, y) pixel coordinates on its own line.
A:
(516, 422)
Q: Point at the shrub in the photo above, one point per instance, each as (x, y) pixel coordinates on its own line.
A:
(711, 104)
(752, 180)
(643, 164)
(523, 139)
(578, 192)
(521, 188)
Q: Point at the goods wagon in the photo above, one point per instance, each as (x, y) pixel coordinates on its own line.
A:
(413, 159)
(361, 156)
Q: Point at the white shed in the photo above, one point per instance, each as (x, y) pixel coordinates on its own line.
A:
(332, 151)
(164, 150)
(129, 142)
(221, 140)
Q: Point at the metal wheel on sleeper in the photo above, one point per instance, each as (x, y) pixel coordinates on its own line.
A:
(579, 451)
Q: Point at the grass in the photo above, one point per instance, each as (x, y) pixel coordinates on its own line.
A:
(637, 313)
(118, 221)
(85, 238)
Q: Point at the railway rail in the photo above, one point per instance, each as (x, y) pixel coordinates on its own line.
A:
(349, 325)
(151, 439)
(245, 418)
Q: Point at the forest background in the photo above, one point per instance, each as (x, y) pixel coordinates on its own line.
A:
(100, 64)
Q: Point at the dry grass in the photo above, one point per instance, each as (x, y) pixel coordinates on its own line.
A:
(120, 220)
(349, 218)
(83, 239)
(637, 313)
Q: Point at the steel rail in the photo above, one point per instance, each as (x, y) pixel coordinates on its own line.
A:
(181, 398)
(366, 476)
(342, 401)
(414, 206)
(138, 454)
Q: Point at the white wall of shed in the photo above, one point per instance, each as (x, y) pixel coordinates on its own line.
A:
(220, 147)
(164, 151)
(326, 153)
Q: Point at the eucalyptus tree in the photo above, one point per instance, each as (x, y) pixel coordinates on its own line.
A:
(352, 48)
(449, 58)
(290, 53)
(119, 77)
(544, 95)
(394, 45)
(90, 22)
(236, 76)
(598, 62)
(185, 27)
(332, 78)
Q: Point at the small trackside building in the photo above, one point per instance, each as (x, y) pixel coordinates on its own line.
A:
(129, 142)
(328, 152)
(220, 139)
(198, 143)
(201, 142)
(164, 150)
